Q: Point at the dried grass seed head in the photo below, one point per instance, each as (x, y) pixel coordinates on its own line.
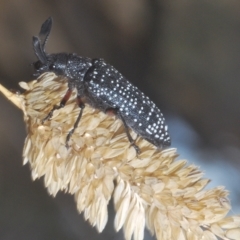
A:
(152, 189)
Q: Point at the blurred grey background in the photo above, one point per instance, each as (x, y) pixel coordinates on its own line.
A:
(184, 54)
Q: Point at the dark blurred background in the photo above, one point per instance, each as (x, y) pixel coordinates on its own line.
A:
(184, 54)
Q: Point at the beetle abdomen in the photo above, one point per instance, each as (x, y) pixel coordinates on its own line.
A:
(111, 89)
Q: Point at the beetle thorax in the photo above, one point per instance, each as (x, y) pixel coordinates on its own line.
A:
(77, 67)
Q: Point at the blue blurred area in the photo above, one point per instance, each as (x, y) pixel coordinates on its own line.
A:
(212, 162)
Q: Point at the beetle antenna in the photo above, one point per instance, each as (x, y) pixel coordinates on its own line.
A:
(40, 41)
(44, 32)
(38, 50)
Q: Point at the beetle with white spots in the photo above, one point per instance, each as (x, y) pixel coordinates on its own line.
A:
(103, 87)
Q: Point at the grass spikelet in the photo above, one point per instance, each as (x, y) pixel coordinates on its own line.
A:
(152, 189)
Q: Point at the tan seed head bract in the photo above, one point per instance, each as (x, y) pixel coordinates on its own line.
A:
(152, 189)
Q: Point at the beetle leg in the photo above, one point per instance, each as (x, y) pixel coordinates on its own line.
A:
(115, 111)
(61, 105)
(81, 106)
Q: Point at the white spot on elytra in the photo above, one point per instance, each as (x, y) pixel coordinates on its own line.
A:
(148, 131)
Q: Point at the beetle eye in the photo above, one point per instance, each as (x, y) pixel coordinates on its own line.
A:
(37, 65)
(51, 66)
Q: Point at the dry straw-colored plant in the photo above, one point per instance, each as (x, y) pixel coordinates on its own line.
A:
(153, 189)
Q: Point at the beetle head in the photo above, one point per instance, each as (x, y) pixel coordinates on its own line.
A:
(53, 63)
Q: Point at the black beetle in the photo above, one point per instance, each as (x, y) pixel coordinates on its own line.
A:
(104, 88)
